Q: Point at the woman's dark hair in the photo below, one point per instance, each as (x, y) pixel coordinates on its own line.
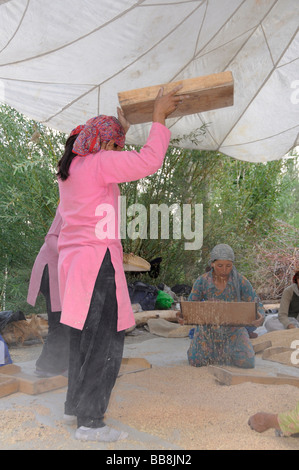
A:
(296, 276)
(66, 159)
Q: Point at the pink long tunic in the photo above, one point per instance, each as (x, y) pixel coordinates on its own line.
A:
(48, 255)
(89, 201)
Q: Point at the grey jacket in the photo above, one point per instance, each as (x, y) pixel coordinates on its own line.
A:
(286, 299)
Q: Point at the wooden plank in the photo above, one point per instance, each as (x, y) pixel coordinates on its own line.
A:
(219, 313)
(279, 338)
(223, 376)
(230, 378)
(279, 374)
(132, 365)
(8, 385)
(36, 385)
(10, 369)
(201, 94)
(32, 385)
(141, 318)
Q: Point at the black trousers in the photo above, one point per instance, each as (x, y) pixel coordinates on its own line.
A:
(54, 357)
(95, 353)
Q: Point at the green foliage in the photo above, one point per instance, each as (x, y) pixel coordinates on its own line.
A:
(289, 202)
(28, 199)
(241, 204)
(181, 180)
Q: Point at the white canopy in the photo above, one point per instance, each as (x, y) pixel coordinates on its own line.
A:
(64, 61)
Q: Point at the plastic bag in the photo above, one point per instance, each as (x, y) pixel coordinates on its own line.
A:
(143, 294)
(164, 300)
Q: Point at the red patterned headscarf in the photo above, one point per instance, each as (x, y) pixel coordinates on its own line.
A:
(77, 130)
(97, 130)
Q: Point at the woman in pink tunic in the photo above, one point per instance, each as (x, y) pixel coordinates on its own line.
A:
(54, 357)
(47, 256)
(93, 287)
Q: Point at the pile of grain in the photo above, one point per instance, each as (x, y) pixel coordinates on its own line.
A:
(283, 338)
(185, 406)
(180, 406)
(19, 425)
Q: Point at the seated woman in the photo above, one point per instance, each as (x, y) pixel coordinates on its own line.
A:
(288, 315)
(289, 305)
(223, 344)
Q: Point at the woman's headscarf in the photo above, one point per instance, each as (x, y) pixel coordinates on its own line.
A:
(77, 130)
(97, 130)
(222, 251)
(225, 252)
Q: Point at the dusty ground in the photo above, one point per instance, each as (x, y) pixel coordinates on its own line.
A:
(170, 406)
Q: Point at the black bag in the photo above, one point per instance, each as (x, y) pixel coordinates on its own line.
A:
(181, 289)
(8, 316)
(143, 294)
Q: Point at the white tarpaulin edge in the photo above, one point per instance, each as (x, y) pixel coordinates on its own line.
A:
(62, 63)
